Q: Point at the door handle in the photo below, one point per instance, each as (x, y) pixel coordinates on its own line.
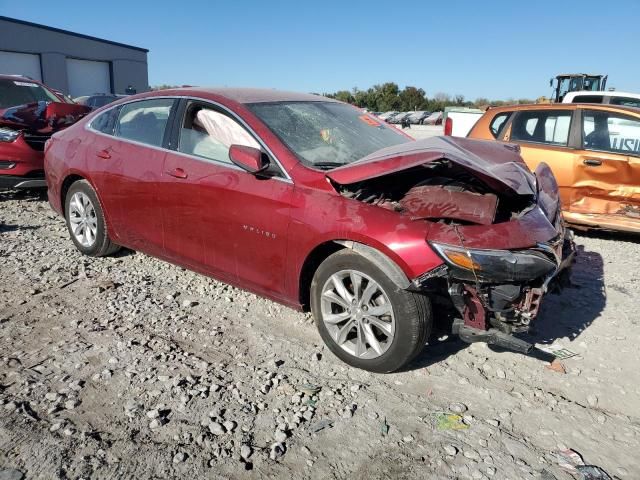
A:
(104, 154)
(177, 173)
(592, 162)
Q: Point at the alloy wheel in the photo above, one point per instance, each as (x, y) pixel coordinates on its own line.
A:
(83, 220)
(357, 314)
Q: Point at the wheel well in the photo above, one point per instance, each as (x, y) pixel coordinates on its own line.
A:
(311, 264)
(322, 251)
(66, 185)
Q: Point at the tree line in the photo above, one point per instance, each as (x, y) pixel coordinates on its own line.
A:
(388, 96)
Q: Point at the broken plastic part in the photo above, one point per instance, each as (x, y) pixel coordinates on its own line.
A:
(491, 336)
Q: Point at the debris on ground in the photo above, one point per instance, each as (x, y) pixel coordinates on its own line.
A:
(450, 421)
(556, 366)
(557, 351)
(569, 459)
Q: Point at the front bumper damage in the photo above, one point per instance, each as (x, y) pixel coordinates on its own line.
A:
(497, 300)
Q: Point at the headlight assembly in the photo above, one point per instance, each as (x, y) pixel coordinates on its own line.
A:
(495, 266)
(8, 135)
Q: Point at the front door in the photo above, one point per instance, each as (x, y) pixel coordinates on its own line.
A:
(218, 218)
(607, 167)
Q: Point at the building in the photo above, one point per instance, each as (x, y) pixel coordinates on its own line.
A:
(71, 62)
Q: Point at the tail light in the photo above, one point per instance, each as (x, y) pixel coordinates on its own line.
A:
(448, 126)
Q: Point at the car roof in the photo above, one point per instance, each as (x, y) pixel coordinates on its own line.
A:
(4, 76)
(249, 95)
(563, 106)
(606, 93)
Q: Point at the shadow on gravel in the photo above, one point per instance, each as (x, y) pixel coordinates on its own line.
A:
(562, 315)
(568, 313)
(609, 235)
(39, 195)
(5, 227)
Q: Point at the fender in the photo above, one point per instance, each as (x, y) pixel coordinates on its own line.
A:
(380, 260)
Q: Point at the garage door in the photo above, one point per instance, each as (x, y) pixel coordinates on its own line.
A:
(20, 64)
(87, 77)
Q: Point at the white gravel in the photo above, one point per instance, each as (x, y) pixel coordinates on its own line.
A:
(129, 367)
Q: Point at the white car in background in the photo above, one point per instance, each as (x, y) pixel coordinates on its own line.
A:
(612, 97)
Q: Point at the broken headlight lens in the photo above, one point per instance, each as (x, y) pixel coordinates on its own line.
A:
(495, 266)
(8, 135)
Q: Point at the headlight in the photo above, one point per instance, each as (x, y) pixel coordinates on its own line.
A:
(495, 266)
(8, 135)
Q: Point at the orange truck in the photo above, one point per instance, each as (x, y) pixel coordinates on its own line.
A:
(593, 150)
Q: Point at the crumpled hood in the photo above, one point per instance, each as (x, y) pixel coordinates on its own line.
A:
(42, 117)
(499, 165)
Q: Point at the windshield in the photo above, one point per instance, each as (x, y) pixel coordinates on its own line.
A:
(20, 92)
(326, 134)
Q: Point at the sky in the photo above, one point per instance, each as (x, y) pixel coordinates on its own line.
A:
(494, 49)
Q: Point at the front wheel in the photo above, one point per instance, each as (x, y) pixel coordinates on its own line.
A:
(365, 318)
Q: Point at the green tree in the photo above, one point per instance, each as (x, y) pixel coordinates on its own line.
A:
(412, 98)
(389, 98)
(344, 96)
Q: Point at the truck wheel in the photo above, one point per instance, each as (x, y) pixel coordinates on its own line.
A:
(365, 318)
(85, 221)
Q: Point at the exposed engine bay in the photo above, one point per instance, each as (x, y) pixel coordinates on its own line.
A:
(440, 191)
(471, 206)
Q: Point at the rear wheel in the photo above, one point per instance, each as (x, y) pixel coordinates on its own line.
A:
(365, 318)
(85, 221)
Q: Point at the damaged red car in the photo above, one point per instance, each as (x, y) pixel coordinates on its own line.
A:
(317, 205)
(29, 114)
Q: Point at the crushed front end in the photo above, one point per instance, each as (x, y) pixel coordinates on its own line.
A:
(496, 226)
(24, 130)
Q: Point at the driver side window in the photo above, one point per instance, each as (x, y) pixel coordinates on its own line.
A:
(208, 134)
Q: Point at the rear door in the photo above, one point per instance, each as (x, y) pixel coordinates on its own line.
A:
(544, 136)
(607, 168)
(126, 160)
(218, 218)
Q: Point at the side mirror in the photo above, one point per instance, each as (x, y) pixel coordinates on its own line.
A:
(248, 158)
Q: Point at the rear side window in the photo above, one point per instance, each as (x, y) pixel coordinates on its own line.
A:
(144, 121)
(588, 99)
(498, 123)
(105, 122)
(625, 101)
(610, 132)
(549, 127)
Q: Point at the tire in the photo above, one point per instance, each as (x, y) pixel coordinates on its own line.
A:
(409, 318)
(91, 236)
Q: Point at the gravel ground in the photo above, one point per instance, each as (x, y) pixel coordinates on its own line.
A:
(129, 367)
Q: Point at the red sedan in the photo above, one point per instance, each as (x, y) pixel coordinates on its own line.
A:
(315, 204)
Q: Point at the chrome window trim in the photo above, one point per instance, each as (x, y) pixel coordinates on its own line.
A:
(232, 114)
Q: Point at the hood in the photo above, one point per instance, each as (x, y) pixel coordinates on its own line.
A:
(42, 117)
(499, 165)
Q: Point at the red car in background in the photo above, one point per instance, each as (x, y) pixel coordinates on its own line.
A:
(315, 204)
(29, 114)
